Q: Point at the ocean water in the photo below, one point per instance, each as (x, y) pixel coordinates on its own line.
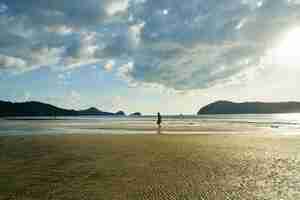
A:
(203, 124)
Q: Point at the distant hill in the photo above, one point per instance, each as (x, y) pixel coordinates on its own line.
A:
(34, 108)
(227, 107)
(136, 114)
(94, 111)
(120, 113)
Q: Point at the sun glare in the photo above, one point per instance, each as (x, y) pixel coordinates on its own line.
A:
(287, 52)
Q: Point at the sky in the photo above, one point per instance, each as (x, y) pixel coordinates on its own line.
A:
(171, 56)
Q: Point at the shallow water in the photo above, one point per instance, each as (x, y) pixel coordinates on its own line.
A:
(225, 124)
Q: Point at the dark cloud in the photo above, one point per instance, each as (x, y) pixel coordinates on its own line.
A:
(58, 12)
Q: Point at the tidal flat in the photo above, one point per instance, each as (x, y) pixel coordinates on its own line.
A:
(134, 167)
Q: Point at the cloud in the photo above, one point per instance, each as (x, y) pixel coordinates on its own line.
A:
(117, 7)
(135, 34)
(64, 12)
(179, 45)
(124, 72)
(13, 63)
(60, 29)
(202, 44)
(57, 33)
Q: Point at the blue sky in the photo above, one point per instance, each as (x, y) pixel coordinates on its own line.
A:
(149, 55)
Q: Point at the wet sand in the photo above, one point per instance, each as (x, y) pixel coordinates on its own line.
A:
(188, 167)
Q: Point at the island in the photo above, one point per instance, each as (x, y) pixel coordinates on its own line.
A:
(228, 107)
(136, 114)
(120, 113)
(34, 108)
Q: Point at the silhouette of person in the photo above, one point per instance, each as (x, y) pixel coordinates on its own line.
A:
(158, 122)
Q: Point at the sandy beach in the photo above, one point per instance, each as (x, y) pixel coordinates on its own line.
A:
(149, 100)
(150, 167)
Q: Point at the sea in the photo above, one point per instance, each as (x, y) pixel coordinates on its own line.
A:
(171, 124)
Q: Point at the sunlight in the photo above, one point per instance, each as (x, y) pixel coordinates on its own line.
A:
(287, 52)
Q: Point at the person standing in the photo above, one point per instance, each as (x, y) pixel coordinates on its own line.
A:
(158, 120)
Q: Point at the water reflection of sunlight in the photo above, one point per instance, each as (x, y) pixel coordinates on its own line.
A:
(288, 117)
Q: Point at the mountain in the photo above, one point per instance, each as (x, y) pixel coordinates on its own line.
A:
(93, 111)
(120, 113)
(34, 108)
(136, 114)
(228, 107)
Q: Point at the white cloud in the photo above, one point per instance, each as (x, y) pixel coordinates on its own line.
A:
(60, 29)
(125, 70)
(241, 24)
(116, 7)
(13, 63)
(135, 34)
(259, 4)
(45, 56)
